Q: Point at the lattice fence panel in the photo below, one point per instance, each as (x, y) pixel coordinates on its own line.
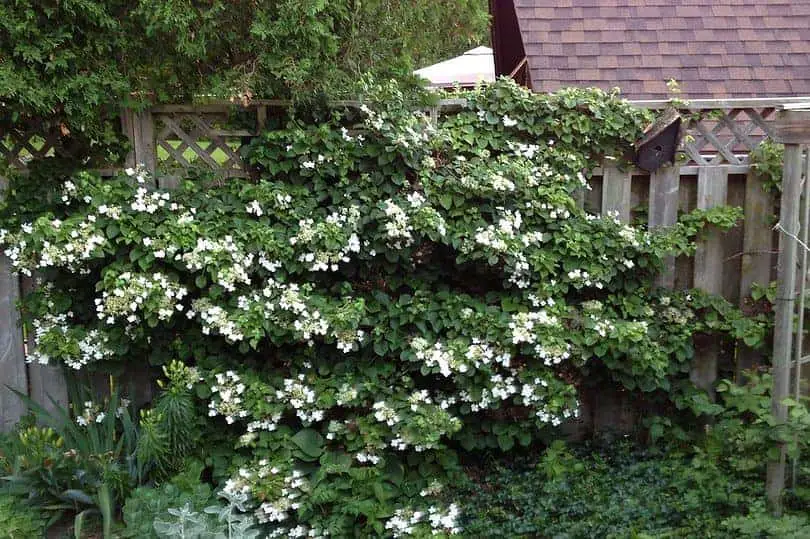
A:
(17, 149)
(726, 136)
(186, 140)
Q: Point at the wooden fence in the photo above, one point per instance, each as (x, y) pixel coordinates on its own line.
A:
(170, 139)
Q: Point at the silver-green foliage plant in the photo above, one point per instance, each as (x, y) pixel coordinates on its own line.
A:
(226, 521)
(386, 292)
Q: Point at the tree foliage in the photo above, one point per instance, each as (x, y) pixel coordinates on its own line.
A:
(75, 62)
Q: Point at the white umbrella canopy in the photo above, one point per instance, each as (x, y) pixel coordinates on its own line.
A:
(475, 65)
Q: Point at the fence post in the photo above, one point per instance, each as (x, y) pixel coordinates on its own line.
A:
(793, 129)
(139, 128)
(13, 373)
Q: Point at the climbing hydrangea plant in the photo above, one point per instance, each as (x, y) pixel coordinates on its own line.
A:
(388, 292)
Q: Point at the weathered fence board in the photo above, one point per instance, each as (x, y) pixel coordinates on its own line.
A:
(12, 358)
(757, 264)
(664, 211)
(13, 373)
(616, 192)
(46, 383)
(712, 192)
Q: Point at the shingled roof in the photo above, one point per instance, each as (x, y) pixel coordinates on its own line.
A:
(713, 48)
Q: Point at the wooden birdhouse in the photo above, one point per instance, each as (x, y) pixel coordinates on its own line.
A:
(660, 142)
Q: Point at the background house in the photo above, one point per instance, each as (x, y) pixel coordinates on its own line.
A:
(714, 49)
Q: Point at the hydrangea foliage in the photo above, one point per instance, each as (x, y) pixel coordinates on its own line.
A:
(386, 293)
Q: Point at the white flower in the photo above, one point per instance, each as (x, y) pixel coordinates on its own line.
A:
(254, 208)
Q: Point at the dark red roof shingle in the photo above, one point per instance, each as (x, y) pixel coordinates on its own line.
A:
(713, 48)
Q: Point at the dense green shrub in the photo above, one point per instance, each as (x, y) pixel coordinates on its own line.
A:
(618, 492)
(386, 293)
(699, 484)
(147, 504)
(613, 495)
(20, 521)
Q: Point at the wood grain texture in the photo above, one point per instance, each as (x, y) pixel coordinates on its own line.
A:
(616, 192)
(712, 192)
(47, 385)
(757, 257)
(664, 184)
(13, 373)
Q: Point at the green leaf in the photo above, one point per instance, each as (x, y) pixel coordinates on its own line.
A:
(309, 441)
(506, 442)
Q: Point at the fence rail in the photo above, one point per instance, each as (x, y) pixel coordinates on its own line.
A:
(171, 139)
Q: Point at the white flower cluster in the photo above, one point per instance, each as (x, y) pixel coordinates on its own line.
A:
(603, 327)
(552, 355)
(495, 237)
(523, 325)
(226, 397)
(346, 395)
(501, 183)
(79, 244)
(147, 201)
(302, 398)
(508, 122)
(82, 243)
(269, 424)
(309, 164)
(342, 223)
(283, 201)
(523, 150)
(536, 400)
(630, 235)
(232, 263)
(92, 347)
(139, 173)
(241, 484)
(347, 341)
(297, 532)
(275, 302)
(132, 291)
(385, 414)
(278, 510)
(310, 324)
(555, 212)
(254, 208)
(438, 355)
(583, 277)
(398, 227)
(405, 521)
(215, 317)
(481, 353)
(112, 212)
(91, 413)
(69, 192)
(364, 457)
(503, 387)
